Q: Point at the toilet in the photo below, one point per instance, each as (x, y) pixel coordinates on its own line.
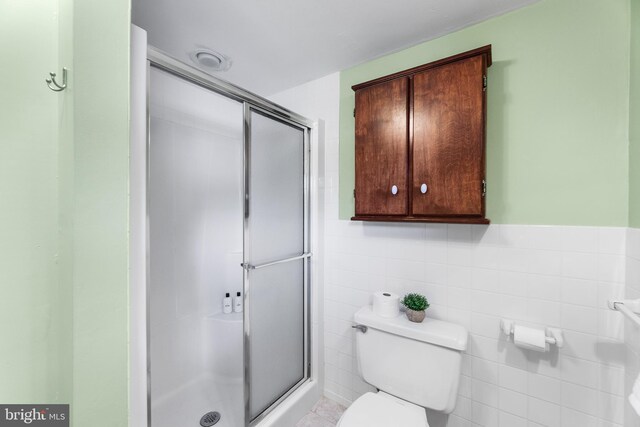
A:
(413, 365)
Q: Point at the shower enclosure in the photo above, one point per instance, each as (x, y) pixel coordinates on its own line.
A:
(228, 212)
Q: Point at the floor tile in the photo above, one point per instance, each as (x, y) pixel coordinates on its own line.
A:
(329, 409)
(314, 420)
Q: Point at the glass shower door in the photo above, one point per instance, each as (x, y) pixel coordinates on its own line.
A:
(195, 251)
(276, 260)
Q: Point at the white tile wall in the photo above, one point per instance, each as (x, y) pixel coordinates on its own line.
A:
(632, 332)
(536, 281)
(474, 275)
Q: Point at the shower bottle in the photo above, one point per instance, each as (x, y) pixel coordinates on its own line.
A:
(226, 304)
(237, 303)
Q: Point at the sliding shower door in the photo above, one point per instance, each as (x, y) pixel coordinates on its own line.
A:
(228, 209)
(276, 259)
(195, 251)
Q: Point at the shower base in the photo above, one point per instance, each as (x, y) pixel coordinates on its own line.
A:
(185, 406)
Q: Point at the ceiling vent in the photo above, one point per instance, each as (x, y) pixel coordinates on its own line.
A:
(210, 60)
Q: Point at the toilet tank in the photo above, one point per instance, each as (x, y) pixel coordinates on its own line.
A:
(417, 362)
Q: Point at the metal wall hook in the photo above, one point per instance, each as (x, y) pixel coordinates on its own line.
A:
(56, 86)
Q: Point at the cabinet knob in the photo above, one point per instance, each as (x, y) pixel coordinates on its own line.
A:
(394, 189)
(424, 188)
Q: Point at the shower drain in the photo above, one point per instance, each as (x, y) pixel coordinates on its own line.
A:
(210, 418)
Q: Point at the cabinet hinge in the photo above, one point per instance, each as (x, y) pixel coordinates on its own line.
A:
(354, 112)
(484, 82)
(354, 193)
(484, 188)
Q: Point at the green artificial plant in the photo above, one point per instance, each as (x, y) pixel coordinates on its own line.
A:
(415, 302)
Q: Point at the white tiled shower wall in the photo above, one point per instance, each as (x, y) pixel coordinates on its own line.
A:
(475, 275)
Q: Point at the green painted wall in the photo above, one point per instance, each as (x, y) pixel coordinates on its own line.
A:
(35, 135)
(634, 118)
(63, 330)
(557, 144)
(64, 217)
(100, 246)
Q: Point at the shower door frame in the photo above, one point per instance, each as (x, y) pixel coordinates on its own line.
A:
(160, 60)
(305, 256)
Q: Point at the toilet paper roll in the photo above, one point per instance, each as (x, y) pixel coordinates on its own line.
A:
(529, 338)
(386, 304)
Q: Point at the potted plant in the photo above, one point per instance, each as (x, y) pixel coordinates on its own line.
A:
(415, 305)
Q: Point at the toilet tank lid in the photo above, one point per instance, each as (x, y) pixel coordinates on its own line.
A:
(431, 331)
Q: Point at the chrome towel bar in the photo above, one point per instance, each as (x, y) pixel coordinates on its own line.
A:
(628, 307)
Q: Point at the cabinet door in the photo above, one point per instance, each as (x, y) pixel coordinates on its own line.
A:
(448, 144)
(382, 148)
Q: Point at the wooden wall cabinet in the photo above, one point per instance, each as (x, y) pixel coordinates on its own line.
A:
(420, 142)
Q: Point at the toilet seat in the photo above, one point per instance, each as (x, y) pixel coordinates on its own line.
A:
(383, 410)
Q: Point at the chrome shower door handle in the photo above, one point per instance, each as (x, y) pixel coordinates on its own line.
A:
(249, 266)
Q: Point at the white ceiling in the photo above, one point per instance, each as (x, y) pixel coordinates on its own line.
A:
(278, 44)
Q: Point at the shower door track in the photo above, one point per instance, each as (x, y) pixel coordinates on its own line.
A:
(251, 101)
(165, 62)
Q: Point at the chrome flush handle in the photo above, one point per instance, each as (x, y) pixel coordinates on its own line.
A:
(361, 328)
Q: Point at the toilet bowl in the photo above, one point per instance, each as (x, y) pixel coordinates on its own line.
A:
(383, 410)
(413, 365)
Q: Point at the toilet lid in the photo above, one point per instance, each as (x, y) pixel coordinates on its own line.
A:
(383, 410)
